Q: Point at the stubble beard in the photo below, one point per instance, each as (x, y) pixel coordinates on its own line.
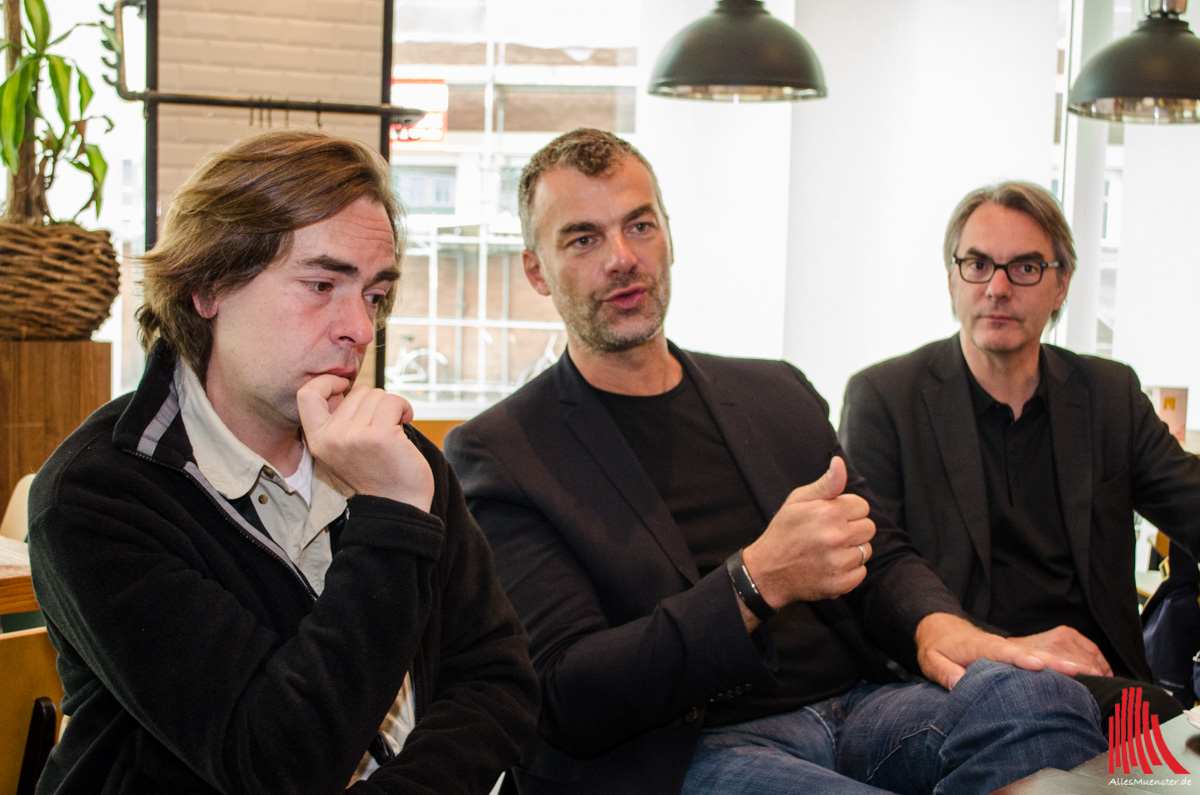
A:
(599, 327)
(974, 327)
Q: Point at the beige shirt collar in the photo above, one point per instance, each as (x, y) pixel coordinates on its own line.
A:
(234, 469)
(228, 464)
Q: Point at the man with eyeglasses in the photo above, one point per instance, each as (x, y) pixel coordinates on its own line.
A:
(1016, 466)
(701, 575)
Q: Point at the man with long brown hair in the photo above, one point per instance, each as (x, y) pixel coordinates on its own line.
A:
(258, 576)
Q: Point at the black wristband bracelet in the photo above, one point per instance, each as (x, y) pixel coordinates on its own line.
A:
(747, 591)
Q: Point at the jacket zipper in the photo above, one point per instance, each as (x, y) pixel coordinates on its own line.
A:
(308, 589)
(417, 669)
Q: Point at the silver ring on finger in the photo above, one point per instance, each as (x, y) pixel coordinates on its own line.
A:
(862, 551)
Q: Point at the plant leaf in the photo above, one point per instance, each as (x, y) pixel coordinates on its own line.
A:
(94, 198)
(85, 92)
(97, 162)
(52, 143)
(110, 38)
(60, 81)
(39, 23)
(97, 194)
(72, 28)
(78, 132)
(99, 169)
(13, 94)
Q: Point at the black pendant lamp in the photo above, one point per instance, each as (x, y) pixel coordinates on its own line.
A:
(739, 52)
(1152, 76)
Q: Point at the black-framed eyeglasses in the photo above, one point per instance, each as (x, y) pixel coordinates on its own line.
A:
(980, 270)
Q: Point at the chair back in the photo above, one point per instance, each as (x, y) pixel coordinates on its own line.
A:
(27, 674)
(16, 515)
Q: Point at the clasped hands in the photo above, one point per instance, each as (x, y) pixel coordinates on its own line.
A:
(359, 436)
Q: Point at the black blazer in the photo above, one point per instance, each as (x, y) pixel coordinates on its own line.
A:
(629, 642)
(909, 426)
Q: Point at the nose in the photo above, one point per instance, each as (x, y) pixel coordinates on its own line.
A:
(623, 257)
(999, 285)
(355, 321)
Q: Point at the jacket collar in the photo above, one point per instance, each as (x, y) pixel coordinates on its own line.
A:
(951, 416)
(599, 436)
(1070, 409)
(591, 424)
(151, 424)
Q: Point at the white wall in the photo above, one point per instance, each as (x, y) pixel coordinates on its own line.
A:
(724, 172)
(1158, 284)
(927, 100)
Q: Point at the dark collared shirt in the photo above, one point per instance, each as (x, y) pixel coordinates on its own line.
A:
(1034, 585)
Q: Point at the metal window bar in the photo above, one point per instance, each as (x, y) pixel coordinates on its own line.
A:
(387, 113)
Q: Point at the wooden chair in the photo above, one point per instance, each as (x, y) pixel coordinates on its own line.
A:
(29, 709)
(436, 430)
(16, 513)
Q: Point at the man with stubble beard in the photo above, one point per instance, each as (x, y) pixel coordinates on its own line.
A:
(702, 576)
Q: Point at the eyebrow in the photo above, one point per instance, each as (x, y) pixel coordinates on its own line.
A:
(592, 226)
(1031, 255)
(330, 263)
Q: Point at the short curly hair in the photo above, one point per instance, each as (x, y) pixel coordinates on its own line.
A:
(585, 149)
(236, 215)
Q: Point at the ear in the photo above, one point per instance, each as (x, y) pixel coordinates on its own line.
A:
(533, 272)
(205, 307)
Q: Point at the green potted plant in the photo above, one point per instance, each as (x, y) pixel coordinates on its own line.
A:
(60, 279)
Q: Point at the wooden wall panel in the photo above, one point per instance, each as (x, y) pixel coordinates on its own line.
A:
(46, 390)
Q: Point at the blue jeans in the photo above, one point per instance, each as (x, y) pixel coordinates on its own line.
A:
(998, 725)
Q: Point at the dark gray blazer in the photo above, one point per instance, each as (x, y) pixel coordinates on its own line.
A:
(629, 641)
(909, 427)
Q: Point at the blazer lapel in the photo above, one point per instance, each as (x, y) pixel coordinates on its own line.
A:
(1070, 425)
(770, 486)
(602, 440)
(766, 481)
(952, 417)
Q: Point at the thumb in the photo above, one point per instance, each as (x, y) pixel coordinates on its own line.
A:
(826, 487)
(941, 669)
(314, 400)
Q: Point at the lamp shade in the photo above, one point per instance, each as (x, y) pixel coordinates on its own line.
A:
(1151, 76)
(739, 52)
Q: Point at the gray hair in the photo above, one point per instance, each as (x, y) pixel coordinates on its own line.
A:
(1033, 200)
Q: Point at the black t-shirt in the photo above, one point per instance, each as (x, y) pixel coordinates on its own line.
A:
(681, 448)
(1034, 583)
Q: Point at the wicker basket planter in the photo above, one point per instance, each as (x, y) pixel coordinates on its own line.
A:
(57, 282)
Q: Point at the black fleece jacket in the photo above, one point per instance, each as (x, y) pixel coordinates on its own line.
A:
(196, 659)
